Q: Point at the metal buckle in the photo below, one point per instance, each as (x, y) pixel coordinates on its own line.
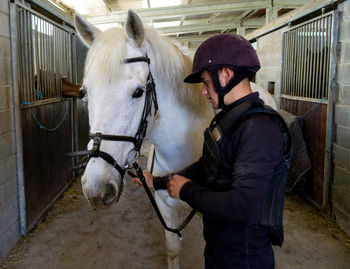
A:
(135, 159)
(96, 143)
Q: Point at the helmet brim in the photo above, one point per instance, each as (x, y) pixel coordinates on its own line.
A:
(194, 77)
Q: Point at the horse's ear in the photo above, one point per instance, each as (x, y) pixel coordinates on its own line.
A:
(134, 27)
(86, 31)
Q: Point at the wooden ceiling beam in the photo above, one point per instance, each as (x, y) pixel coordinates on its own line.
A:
(289, 3)
(108, 6)
(178, 11)
(182, 20)
(190, 38)
(213, 16)
(203, 27)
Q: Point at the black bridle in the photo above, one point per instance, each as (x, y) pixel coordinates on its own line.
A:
(95, 152)
(137, 139)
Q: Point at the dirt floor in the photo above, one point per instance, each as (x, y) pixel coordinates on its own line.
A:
(128, 235)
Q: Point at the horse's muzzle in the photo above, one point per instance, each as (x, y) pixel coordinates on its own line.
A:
(104, 196)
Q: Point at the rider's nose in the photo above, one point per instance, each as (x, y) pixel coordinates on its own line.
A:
(204, 92)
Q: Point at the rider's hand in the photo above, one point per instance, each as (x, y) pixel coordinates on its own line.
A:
(175, 185)
(148, 176)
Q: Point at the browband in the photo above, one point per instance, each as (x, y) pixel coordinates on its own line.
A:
(137, 59)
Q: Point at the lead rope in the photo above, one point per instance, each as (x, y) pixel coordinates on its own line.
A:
(155, 206)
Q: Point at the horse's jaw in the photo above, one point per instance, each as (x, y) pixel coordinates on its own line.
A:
(101, 189)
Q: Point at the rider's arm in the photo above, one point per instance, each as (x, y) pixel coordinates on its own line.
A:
(193, 172)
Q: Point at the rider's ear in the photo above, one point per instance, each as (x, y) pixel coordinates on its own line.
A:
(86, 31)
(229, 73)
(134, 28)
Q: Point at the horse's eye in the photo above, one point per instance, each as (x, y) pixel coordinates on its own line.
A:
(138, 93)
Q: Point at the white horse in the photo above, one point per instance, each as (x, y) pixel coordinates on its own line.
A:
(114, 108)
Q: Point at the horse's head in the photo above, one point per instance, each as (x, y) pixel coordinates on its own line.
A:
(116, 93)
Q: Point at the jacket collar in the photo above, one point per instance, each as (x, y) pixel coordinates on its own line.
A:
(253, 97)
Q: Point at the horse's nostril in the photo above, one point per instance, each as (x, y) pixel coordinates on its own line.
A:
(110, 194)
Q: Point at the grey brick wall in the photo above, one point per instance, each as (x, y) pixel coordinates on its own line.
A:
(340, 185)
(9, 213)
(269, 48)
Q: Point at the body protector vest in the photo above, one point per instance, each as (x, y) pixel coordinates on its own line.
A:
(218, 170)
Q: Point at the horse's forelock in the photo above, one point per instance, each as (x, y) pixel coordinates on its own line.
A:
(105, 56)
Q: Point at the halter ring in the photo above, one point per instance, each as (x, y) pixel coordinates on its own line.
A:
(136, 158)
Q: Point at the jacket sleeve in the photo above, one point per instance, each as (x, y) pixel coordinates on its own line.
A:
(193, 172)
(257, 150)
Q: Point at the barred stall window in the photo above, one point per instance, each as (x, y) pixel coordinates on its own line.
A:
(44, 57)
(306, 59)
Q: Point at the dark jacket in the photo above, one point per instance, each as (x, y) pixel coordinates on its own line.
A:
(233, 239)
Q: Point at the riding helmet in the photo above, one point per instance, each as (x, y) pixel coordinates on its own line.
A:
(224, 50)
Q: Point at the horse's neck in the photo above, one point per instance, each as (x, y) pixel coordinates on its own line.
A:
(177, 131)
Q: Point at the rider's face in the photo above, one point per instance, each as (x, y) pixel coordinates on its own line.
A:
(208, 89)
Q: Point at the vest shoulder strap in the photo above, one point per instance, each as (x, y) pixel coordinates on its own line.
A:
(235, 117)
(222, 122)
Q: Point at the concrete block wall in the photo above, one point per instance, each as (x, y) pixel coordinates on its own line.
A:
(269, 49)
(9, 209)
(340, 185)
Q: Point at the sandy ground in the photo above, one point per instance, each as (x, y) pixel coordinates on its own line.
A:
(128, 235)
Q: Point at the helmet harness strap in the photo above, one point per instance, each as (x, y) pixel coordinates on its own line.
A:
(234, 81)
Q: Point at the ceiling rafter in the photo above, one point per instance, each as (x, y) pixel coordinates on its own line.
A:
(254, 11)
(190, 38)
(195, 20)
(182, 20)
(288, 3)
(204, 27)
(108, 6)
(178, 11)
(213, 16)
(244, 14)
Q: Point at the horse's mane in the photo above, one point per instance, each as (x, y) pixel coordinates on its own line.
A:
(170, 64)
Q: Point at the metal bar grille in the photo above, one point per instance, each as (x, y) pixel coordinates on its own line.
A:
(44, 57)
(306, 52)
